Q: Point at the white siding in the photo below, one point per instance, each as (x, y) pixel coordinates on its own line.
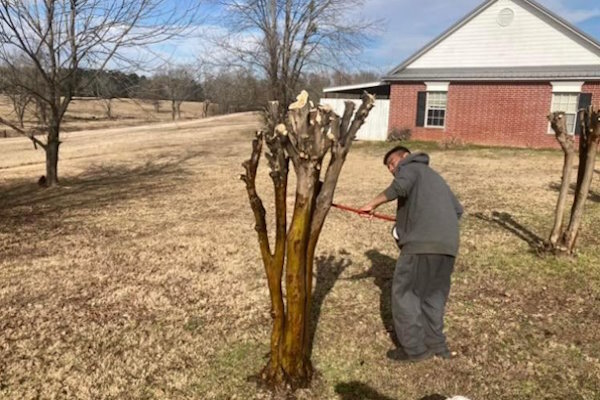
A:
(376, 125)
(527, 41)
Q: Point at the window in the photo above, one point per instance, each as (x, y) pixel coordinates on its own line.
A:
(567, 103)
(436, 109)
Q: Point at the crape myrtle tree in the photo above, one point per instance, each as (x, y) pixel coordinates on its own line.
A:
(308, 134)
(61, 37)
(563, 237)
(282, 38)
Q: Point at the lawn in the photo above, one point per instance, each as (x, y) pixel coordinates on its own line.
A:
(140, 277)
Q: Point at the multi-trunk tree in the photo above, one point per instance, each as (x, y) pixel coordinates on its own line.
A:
(306, 137)
(564, 236)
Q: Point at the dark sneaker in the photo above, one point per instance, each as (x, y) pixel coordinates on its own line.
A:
(443, 354)
(401, 356)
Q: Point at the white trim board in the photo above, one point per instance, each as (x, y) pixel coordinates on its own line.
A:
(567, 87)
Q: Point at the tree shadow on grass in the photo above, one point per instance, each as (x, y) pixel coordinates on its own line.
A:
(328, 271)
(506, 221)
(359, 391)
(98, 186)
(592, 196)
(382, 269)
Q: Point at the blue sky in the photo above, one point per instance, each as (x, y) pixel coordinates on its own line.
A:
(411, 24)
(407, 26)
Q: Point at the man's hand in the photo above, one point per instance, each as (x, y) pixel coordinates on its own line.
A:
(367, 209)
(370, 207)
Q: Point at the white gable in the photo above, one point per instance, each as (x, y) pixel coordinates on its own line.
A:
(498, 37)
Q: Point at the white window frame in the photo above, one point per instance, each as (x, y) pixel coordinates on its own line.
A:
(565, 88)
(427, 108)
(573, 112)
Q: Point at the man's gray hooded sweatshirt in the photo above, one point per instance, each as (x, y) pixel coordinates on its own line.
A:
(428, 211)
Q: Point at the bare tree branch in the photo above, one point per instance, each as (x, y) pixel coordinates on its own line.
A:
(59, 38)
(20, 131)
(282, 38)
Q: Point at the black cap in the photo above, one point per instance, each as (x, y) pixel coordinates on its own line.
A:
(396, 149)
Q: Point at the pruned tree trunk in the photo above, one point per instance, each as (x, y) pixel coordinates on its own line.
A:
(567, 143)
(590, 137)
(307, 136)
(563, 239)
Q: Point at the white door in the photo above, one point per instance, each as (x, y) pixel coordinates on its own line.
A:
(376, 125)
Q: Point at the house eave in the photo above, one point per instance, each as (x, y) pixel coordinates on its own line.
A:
(549, 73)
(364, 86)
(491, 79)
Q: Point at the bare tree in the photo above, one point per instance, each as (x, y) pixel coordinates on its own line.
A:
(309, 134)
(150, 91)
(20, 99)
(59, 37)
(281, 38)
(563, 238)
(106, 90)
(178, 85)
(235, 90)
(18, 96)
(341, 78)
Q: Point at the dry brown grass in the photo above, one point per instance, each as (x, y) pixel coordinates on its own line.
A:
(140, 277)
(89, 113)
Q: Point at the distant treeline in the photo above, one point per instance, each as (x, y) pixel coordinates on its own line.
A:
(234, 89)
(165, 85)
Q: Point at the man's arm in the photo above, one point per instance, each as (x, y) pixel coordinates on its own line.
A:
(373, 204)
(400, 187)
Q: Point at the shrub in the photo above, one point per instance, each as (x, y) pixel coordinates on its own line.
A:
(451, 142)
(399, 135)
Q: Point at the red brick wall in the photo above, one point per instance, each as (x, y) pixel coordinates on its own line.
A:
(498, 114)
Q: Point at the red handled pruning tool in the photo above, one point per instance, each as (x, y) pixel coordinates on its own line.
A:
(357, 211)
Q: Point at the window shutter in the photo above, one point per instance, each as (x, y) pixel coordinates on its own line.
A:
(585, 100)
(421, 105)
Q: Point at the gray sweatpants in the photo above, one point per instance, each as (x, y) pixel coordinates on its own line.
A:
(420, 290)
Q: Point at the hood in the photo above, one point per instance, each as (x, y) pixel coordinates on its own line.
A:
(421, 158)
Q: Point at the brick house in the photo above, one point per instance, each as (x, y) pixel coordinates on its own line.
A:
(493, 77)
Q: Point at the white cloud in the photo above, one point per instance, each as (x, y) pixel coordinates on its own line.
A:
(411, 24)
(407, 26)
(573, 11)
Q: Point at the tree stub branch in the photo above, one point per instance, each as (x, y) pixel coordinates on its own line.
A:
(256, 203)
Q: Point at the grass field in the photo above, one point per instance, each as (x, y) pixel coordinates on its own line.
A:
(90, 113)
(140, 277)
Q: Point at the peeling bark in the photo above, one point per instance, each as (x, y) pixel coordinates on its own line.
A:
(306, 137)
(587, 160)
(563, 239)
(567, 143)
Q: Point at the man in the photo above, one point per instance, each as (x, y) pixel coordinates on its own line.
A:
(428, 235)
